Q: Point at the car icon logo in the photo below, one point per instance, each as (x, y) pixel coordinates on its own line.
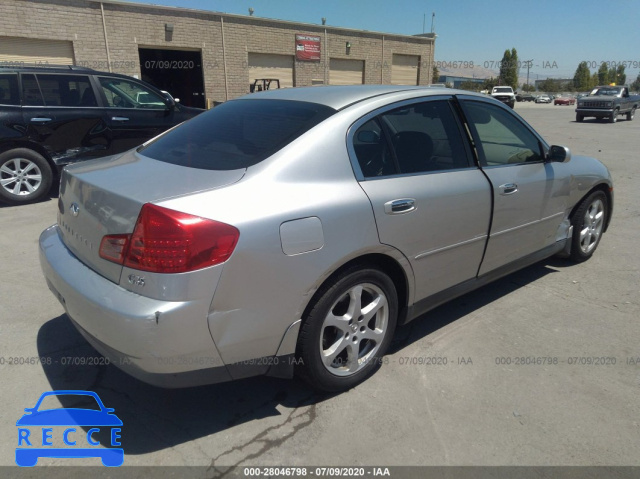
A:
(42, 426)
(74, 209)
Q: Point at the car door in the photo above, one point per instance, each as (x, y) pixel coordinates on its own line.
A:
(429, 200)
(134, 113)
(62, 114)
(530, 195)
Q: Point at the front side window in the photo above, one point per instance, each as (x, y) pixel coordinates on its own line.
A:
(128, 94)
(501, 138)
(66, 90)
(236, 134)
(9, 90)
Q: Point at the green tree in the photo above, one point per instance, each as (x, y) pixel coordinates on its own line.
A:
(621, 76)
(636, 84)
(551, 85)
(612, 75)
(435, 75)
(509, 69)
(489, 83)
(470, 86)
(582, 77)
(527, 87)
(595, 80)
(603, 74)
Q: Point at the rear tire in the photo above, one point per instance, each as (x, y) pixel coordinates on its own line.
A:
(588, 224)
(348, 330)
(631, 114)
(25, 176)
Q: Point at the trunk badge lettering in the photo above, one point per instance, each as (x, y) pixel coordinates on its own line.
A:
(74, 209)
(136, 280)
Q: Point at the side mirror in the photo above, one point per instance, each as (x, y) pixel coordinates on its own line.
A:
(559, 154)
(169, 100)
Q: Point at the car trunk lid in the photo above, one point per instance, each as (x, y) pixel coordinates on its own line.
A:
(104, 197)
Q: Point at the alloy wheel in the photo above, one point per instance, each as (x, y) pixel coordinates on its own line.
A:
(20, 176)
(354, 329)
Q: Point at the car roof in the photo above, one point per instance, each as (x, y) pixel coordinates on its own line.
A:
(339, 97)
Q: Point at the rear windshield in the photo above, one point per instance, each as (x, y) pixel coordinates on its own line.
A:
(236, 134)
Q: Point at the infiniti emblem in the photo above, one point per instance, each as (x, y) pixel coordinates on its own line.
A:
(74, 209)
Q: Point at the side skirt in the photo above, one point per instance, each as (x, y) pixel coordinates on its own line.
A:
(435, 300)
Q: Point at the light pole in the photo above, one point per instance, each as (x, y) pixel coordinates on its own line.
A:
(528, 62)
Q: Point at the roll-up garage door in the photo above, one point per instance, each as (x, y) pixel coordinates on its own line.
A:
(346, 72)
(265, 65)
(31, 51)
(404, 69)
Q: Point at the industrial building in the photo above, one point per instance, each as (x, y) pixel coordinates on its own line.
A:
(205, 57)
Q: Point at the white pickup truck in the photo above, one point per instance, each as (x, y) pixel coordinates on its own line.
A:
(504, 94)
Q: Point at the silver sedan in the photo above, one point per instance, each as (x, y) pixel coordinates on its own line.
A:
(291, 231)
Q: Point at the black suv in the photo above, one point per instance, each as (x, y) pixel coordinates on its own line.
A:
(52, 116)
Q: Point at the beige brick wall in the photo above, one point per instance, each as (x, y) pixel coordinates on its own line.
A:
(131, 26)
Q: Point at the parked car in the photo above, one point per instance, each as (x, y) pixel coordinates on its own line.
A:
(608, 102)
(525, 97)
(564, 100)
(504, 94)
(51, 117)
(543, 99)
(306, 225)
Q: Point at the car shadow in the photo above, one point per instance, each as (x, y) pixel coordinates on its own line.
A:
(52, 194)
(155, 418)
(464, 305)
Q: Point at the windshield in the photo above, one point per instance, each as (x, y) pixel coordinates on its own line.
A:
(236, 134)
(605, 91)
(502, 90)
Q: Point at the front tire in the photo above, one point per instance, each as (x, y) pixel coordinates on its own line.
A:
(579, 118)
(631, 114)
(25, 176)
(588, 225)
(348, 330)
(614, 116)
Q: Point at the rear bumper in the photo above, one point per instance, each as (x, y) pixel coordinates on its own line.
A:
(164, 343)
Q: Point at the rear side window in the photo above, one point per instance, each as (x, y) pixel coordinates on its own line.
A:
(9, 90)
(424, 137)
(236, 134)
(66, 90)
(31, 91)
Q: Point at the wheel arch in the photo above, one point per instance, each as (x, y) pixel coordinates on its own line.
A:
(607, 190)
(13, 144)
(383, 262)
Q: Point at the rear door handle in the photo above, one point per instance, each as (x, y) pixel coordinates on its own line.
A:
(119, 118)
(401, 206)
(508, 188)
(40, 120)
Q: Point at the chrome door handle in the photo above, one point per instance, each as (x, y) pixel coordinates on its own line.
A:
(40, 120)
(398, 207)
(119, 118)
(508, 188)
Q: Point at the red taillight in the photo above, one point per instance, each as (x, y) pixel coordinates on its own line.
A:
(167, 241)
(113, 247)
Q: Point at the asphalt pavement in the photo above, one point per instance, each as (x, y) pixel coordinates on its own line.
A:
(539, 368)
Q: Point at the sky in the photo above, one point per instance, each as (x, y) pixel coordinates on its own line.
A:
(556, 34)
